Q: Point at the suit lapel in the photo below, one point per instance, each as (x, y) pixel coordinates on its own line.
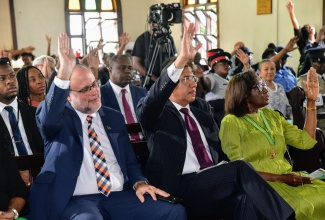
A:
(6, 136)
(111, 132)
(110, 97)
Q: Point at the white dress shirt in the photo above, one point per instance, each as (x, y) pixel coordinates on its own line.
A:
(118, 94)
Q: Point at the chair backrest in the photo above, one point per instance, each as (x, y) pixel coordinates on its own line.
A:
(306, 160)
(33, 163)
(140, 147)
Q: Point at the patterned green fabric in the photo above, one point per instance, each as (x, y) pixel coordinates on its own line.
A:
(240, 140)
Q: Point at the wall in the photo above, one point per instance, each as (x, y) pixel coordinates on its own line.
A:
(238, 21)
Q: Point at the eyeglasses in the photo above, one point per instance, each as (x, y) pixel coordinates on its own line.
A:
(260, 86)
(190, 78)
(95, 85)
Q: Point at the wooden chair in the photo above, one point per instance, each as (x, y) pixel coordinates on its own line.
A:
(32, 163)
(306, 160)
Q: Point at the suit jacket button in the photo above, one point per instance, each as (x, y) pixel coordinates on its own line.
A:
(75, 177)
(179, 174)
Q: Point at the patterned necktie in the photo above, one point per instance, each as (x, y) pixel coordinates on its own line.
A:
(128, 115)
(102, 174)
(21, 148)
(198, 146)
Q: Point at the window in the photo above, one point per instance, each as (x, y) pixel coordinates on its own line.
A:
(204, 14)
(88, 21)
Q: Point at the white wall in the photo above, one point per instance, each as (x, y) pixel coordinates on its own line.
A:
(238, 22)
(34, 19)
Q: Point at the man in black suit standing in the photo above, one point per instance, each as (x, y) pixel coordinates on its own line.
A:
(29, 140)
(183, 140)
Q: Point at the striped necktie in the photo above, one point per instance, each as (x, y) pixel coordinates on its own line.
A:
(102, 174)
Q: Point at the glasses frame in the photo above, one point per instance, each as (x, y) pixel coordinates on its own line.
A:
(190, 78)
(94, 85)
(260, 86)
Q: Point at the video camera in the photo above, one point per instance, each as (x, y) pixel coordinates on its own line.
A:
(165, 14)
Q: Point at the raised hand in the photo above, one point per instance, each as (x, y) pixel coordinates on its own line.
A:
(5, 54)
(291, 44)
(290, 6)
(124, 39)
(28, 49)
(66, 57)
(188, 51)
(311, 85)
(48, 39)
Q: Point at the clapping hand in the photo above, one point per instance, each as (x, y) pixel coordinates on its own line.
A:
(311, 85)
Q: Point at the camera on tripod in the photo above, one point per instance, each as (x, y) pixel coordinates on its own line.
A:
(165, 14)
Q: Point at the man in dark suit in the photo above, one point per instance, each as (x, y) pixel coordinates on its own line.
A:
(121, 69)
(77, 179)
(231, 191)
(25, 114)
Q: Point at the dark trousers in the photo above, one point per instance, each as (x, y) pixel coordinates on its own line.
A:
(232, 191)
(120, 205)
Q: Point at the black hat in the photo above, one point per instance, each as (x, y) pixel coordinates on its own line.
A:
(317, 54)
(218, 55)
(267, 53)
(246, 50)
(279, 48)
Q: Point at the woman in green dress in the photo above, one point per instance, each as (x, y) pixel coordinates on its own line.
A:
(259, 136)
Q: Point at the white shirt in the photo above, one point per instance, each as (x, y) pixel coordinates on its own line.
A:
(5, 116)
(218, 87)
(118, 94)
(87, 182)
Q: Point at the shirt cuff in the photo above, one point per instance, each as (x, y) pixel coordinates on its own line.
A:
(174, 73)
(62, 84)
(136, 184)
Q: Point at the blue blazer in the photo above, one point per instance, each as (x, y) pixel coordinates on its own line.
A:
(61, 129)
(109, 99)
(165, 131)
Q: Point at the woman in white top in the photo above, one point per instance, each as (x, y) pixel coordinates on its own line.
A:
(278, 98)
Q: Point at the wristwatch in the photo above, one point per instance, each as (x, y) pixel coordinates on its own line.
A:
(16, 214)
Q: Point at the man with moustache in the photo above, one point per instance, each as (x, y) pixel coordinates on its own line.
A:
(90, 170)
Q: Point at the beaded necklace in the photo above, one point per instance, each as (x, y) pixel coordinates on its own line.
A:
(268, 133)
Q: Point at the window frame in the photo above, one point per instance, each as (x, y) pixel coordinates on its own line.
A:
(198, 7)
(116, 8)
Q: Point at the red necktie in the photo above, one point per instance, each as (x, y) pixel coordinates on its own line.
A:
(198, 146)
(128, 115)
(102, 174)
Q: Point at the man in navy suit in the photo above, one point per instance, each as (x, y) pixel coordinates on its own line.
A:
(120, 70)
(67, 187)
(230, 191)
